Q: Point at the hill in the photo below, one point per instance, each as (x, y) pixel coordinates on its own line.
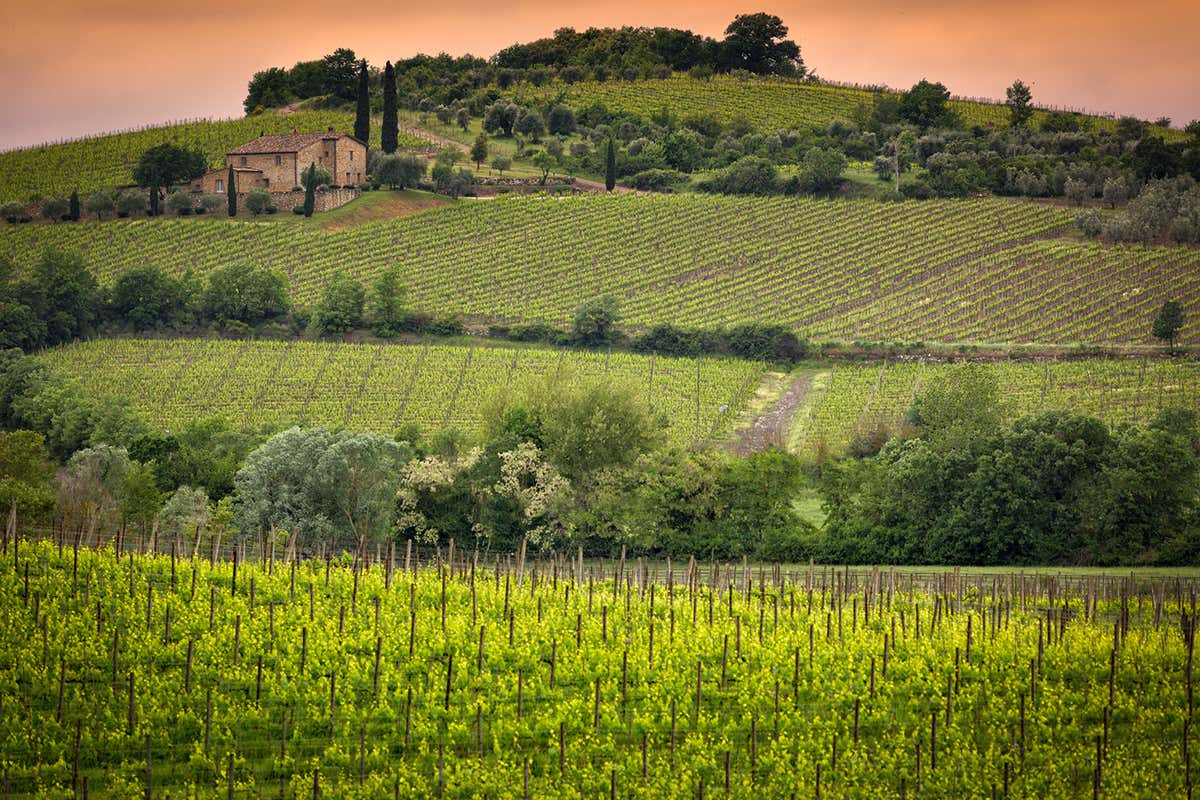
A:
(91, 163)
(170, 382)
(951, 271)
(766, 103)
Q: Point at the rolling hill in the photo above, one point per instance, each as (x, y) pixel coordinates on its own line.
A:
(983, 270)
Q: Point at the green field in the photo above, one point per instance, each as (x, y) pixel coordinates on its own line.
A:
(101, 162)
(159, 676)
(170, 382)
(851, 399)
(766, 103)
(947, 270)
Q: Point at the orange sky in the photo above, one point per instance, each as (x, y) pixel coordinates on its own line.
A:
(80, 66)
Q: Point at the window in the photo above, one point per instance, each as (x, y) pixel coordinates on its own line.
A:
(351, 155)
(220, 185)
(243, 161)
(266, 182)
(327, 154)
(278, 160)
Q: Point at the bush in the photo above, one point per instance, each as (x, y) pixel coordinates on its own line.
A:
(258, 201)
(298, 210)
(321, 177)
(748, 175)
(129, 203)
(246, 294)
(54, 208)
(100, 203)
(534, 332)
(765, 342)
(655, 180)
(12, 211)
(446, 326)
(180, 202)
(341, 306)
(213, 202)
(1090, 222)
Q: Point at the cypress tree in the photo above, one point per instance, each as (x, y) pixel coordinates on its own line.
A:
(362, 115)
(154, 200)
(74, 212)
(390, 133)
(310, 190)
(610, 167)
(231, 190)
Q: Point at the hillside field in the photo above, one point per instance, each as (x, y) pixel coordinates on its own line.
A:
(103, 162)
(981, 270)
(766, 103)
(157, 675)
(170, 382)
(845, 400)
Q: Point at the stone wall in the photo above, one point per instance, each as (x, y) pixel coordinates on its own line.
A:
(326, 200)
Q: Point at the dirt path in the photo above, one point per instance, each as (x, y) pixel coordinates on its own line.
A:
(770, 428)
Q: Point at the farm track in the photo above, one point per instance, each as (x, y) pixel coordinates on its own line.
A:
(770, 428)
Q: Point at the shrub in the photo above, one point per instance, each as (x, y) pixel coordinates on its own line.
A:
(298, 210)
(655, 180)
(446, 326)
(211, 202)
(341, 306)
(321, 177)
(131, 203)
(12, 211)
(54, 208)
(258, 201)
(764, 342)
(180, 203)
(100, 203)
(1090, 222)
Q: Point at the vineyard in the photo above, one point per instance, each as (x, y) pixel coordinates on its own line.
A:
(932, 270)
(766, 103)
(851, 400)
(135, 674)
(101, 162)
(170, 382)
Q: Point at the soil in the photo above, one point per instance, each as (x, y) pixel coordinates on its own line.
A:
(770, 428)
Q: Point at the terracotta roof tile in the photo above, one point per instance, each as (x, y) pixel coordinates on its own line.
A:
(286, 143)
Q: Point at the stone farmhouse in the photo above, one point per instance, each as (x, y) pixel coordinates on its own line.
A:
(275, 163)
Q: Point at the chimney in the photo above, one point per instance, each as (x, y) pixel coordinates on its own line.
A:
(331, 129)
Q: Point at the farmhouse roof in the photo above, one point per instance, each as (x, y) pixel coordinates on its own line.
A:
(285, 143)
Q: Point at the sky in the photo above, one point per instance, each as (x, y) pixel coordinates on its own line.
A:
(79, 67)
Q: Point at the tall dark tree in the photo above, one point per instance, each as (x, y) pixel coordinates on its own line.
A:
(231, 192)
(610, 167)
(927, 105)
(338, 71)
(74, 208)
(362, 111)
(310, 191)
(389, 134)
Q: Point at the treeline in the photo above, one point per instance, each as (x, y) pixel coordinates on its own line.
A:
(755, 42)
(575, 462)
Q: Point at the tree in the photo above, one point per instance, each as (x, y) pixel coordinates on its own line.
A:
(500, 117)
(64, 294)
(144, 296)
(1020, 103)
(529, 123)
(823, 168)
(362, 109)
(360, 474)
(340, 309)
(501, 163)
(180, 202)
(1077, 190)
(1168, 322)
(55, 208)
(26, 474)
(756, 42)
(479, 150)
(130, 203)
(958, 407)
(389, 132)
(310, 189)
(926, 105)
(386, 308)
(20, 327)
(545, 162)
(185, 512)
(140, 496)
(595, 322)
(400, 170)
(74, 206)
(463, 118)
(101, 203)
(244, 293)
(91, 485)
(340, 74)
(269, 88)
(258, 201)
(317, 175)
(561, 121)
(610, 167)
(277, 485)
(165, 165)
(1116, 191)
(231, 192)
